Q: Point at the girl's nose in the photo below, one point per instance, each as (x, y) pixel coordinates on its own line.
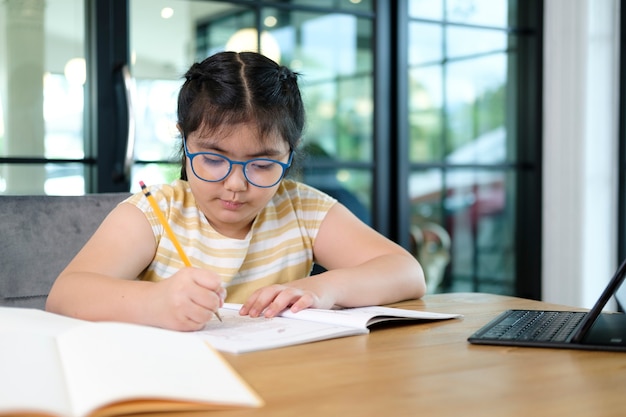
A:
(236, 180)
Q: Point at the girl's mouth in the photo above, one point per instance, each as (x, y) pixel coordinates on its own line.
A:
(231, 205)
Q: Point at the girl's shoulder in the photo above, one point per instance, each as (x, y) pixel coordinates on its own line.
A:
(177, 193)
(299, 193)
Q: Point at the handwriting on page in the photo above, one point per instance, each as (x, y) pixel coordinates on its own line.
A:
(244, 334)
(236, 326)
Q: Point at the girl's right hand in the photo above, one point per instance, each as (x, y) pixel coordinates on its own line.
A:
(187, 300)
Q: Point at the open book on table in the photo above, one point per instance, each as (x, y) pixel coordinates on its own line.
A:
(52, 365)
(240, 334)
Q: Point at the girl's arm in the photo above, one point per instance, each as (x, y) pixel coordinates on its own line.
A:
(100, 283)
(364, 268)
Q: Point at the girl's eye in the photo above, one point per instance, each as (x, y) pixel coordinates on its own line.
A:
(213, 160)
(262, 165)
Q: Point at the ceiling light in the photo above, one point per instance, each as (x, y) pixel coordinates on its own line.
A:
(167, 12)
(247, 39)
(76, 71)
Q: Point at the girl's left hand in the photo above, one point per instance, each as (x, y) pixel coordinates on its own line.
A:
(270, 301)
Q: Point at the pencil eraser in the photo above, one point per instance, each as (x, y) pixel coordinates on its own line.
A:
(142, 184)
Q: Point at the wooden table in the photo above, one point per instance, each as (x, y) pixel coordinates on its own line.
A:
(431, 370)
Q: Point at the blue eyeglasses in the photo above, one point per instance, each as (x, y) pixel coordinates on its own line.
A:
(260, 172)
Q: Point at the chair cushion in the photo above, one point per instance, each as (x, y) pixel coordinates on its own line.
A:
(39, 235)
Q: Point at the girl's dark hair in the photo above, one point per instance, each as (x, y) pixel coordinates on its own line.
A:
(231, 88)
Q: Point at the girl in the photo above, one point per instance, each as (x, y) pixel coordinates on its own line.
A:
(251, 235)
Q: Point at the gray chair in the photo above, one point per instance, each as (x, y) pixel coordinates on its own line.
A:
(39, 235)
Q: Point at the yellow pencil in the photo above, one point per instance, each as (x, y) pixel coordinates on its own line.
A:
(168, 230)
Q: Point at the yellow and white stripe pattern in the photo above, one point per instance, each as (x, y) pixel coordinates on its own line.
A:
(278, 248)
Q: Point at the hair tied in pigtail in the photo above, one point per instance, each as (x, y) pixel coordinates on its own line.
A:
(194, 72)
(285, 73)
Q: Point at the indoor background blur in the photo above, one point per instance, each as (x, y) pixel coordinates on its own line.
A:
(428, 118)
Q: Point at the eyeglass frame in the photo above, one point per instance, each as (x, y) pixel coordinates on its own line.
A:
(244, 164)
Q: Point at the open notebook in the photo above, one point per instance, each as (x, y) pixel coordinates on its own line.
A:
(593, 330)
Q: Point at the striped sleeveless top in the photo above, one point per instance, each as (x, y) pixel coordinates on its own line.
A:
(278, 248)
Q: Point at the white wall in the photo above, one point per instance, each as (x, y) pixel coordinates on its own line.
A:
(580, 149)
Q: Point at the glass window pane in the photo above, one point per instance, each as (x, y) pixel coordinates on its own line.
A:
(341, 120)
(463, 98)
(332, 52)
(232, 29)
(480, 217)
(49, 178)
(63, 115)
(478, 12)
(336, 79)
(65, 179)
(190, 31)
(349, 5)
(154, 173)
(352, 187)
(463, 42)
(476, 110)
(156, 103)
(42, 77)
(426, 193)
(426, 43)
(430, 241)
(426, 9)
(425, 114)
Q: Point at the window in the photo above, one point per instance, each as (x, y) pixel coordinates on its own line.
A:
(42, 77)
(424, 116)
(465, 104)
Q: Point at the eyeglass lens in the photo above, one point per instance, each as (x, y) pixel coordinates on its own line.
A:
(260, 172)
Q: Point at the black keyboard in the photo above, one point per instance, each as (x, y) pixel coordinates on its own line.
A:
(554, 326)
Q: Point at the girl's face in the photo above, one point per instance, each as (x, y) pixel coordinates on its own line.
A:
(231, 205)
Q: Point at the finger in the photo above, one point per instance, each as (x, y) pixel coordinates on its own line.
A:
(186, 321)
(247, 305)
(207, 299)
(306, 301)
(207, 279)
(286, 298)
(259, 300)
(197, 316)
(222, 294)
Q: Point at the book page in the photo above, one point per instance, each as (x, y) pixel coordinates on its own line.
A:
(35, 321)
(240, 334)
(363, 317)
(113, 362)
(31, 377)
(358, 317)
